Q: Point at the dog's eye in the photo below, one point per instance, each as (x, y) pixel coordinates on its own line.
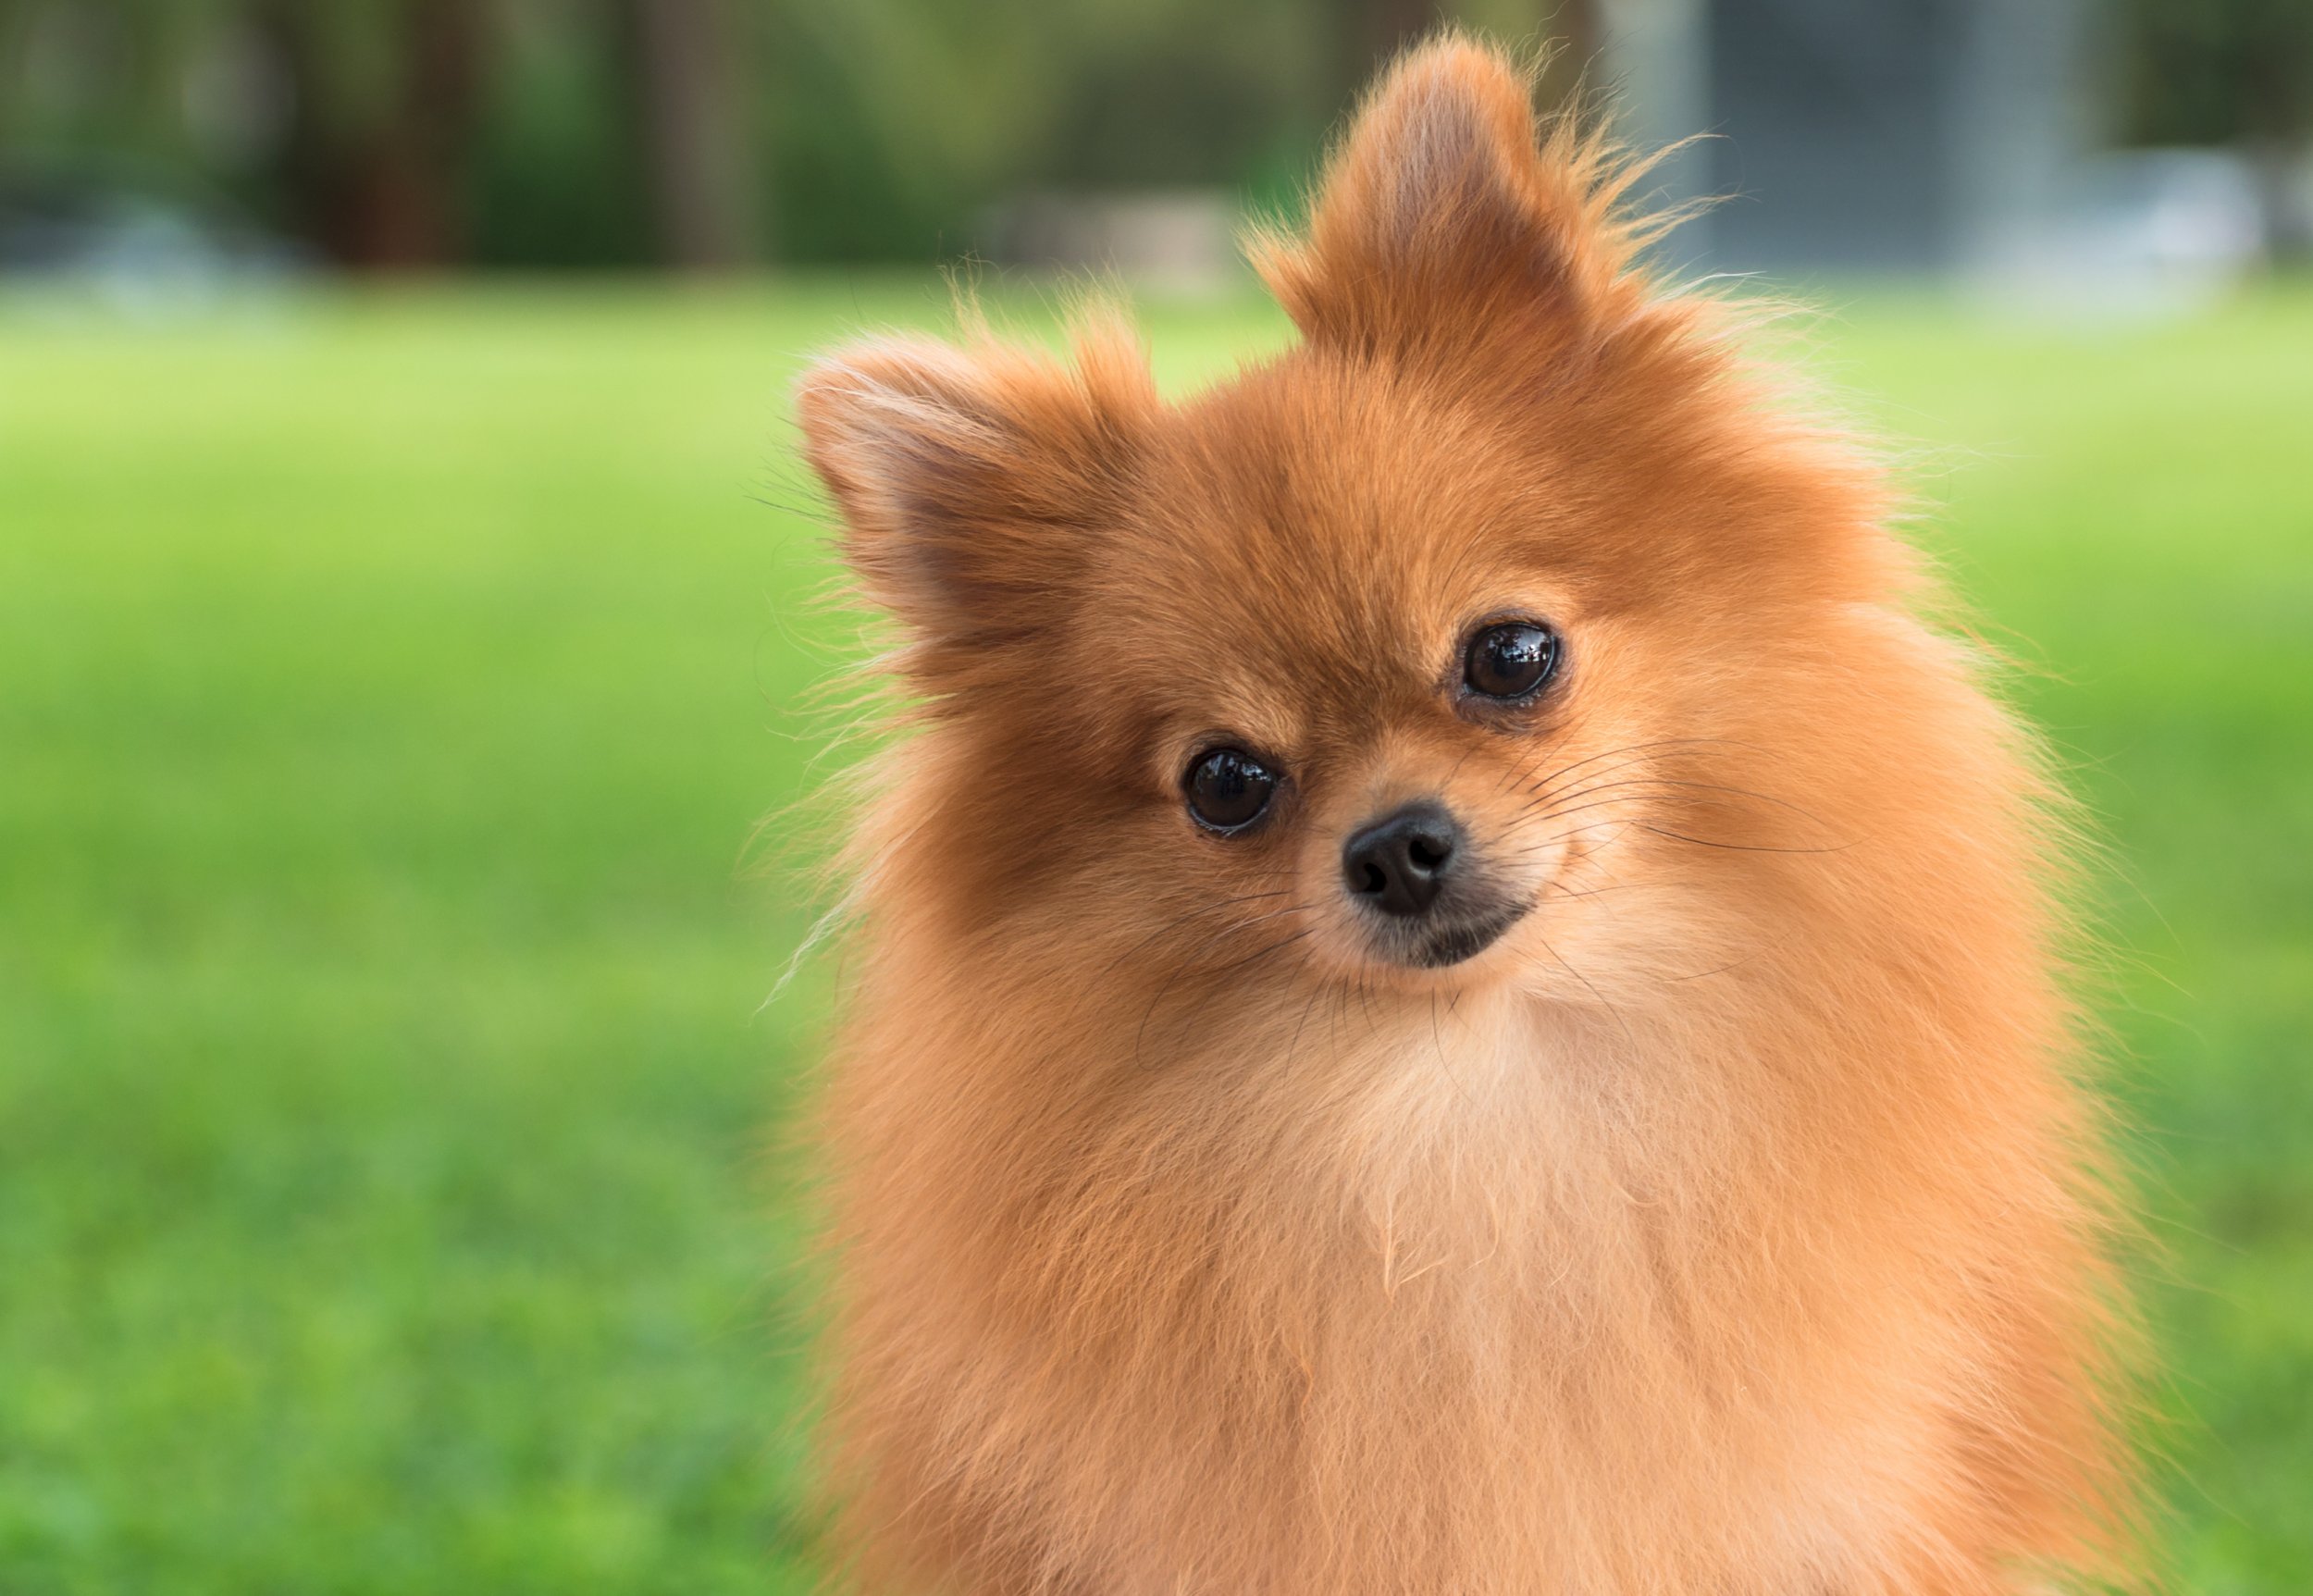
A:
(1228, 790)
(1510, 659)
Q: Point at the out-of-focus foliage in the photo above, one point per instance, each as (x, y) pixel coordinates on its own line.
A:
(547, 132)
(891, 123)
(2217, 71)
(521, 132)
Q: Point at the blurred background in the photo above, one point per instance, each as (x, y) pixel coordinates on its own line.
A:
(410, 612)
(165, 145)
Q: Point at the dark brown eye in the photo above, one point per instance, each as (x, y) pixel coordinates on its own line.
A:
(1510, 659)
(1228, 790)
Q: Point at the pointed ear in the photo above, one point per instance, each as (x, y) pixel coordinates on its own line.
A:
(1439, 217)
(971, 481)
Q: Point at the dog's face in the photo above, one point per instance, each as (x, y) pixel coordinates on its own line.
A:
(1352, 657)
(1392, 658)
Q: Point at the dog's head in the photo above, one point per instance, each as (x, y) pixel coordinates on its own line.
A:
(1400, 657)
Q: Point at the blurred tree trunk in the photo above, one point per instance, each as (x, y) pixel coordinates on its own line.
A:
(379, 180)
(690, 78)
(1372, 31)
(2282, 170)
(1571, 30)
(1378, 31)
(1366, 35)
(1576, 35)
(2277, 115)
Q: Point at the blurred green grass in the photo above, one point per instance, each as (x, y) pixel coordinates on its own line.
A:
(388, 687)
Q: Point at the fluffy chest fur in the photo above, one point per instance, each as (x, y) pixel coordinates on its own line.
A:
(1377, 1296)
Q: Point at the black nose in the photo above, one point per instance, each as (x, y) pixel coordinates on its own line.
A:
(1400, 864)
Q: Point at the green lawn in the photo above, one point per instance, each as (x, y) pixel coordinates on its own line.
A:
(389, 689)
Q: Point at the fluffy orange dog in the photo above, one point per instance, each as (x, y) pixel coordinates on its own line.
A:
(1457, 990)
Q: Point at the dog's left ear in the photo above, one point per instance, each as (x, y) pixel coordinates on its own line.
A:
(1439, 216)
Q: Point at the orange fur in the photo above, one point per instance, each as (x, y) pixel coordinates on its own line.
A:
(1729, 1225)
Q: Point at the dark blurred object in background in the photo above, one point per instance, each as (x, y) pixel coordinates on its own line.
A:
(1919, 137)
(2000, 142)
(2235, 73)
(1907, 136)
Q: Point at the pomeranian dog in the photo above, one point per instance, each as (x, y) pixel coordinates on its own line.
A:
(1457, 992)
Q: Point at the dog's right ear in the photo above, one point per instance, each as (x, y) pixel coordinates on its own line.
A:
(971, 482)
(1440, 221)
